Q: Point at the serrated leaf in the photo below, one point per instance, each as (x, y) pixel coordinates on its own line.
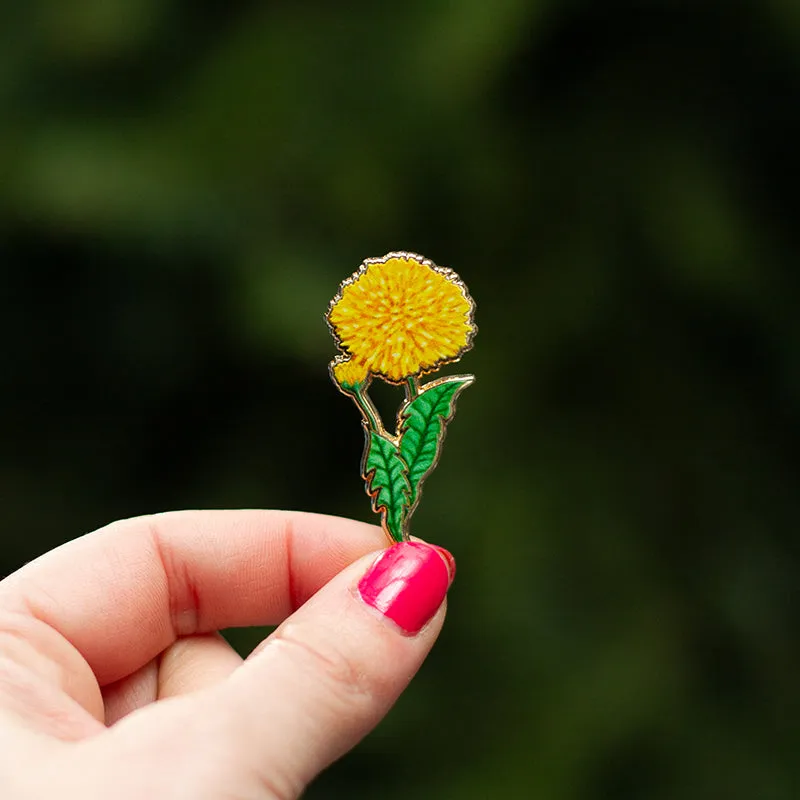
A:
(422, 428)
(387, 483)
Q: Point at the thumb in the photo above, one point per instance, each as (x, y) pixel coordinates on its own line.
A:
(333, 669)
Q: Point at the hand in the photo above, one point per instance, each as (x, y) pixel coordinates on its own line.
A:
(115, 684)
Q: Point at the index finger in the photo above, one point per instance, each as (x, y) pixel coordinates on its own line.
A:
(124, 593)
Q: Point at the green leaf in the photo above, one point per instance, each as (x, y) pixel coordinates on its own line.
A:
(386, 477)
(422, 428)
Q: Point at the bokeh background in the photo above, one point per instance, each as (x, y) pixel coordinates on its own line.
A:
(183, 185)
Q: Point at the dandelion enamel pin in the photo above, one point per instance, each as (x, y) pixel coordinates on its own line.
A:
(399, 318)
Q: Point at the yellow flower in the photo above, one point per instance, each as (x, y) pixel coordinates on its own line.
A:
(401, 316)
(349, 373)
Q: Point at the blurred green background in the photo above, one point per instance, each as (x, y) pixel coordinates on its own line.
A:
(182, 187)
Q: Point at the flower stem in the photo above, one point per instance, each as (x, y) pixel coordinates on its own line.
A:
(412, 387)
(368, 410)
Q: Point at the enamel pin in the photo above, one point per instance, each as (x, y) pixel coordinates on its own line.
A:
(399, 318)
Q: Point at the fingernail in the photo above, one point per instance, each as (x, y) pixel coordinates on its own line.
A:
(408, 583)
(448, 557)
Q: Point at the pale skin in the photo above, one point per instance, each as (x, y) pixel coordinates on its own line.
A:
(115, 683)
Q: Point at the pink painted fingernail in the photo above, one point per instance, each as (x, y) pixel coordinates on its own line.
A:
(408, 583)
(448, 557)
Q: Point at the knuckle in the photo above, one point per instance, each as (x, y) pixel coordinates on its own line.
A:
(15, 679)
(325, 662)
(183, 596)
